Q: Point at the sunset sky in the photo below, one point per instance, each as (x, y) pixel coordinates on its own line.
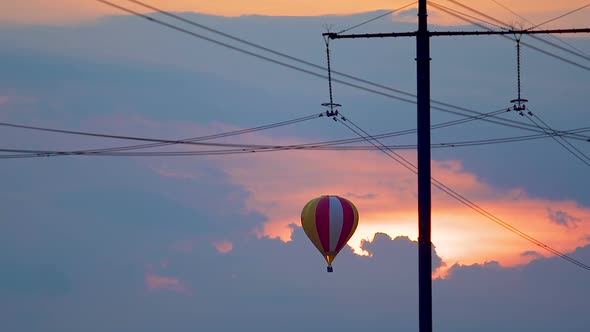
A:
(213, 242)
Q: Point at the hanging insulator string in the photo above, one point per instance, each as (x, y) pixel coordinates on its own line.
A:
(518, 63)
(329, 73)
(331, 112)
(519, 102)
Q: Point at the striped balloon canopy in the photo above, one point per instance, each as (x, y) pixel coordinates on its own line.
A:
(329, 222)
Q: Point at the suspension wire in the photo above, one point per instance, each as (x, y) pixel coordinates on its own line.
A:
(579, 53)
(563, 142)
(519, 104)
(560, 16)
(576, 51)
(518, 62)
(503, 122)
(513, 12)
(462, 199)
(462, 16)
(378, 17)
(327, 40)
(501, 25)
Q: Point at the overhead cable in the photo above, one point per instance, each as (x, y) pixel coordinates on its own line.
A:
(441, 107)
(462, 199)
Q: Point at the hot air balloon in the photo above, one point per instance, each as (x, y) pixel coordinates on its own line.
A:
(329, 222)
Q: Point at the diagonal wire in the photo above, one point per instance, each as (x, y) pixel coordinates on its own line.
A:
(563, 142)
(579, 51)
(378, 17)
(513, 12)
(560, 16)
(411, 99)
(448, 9)
(499, 24)
(462, 199)
(307, 63)
(462, 17)
(336, 145)
(161, 142)
(504, 24)
(198, 140)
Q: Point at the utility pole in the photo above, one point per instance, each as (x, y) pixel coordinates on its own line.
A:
(424, 154)
(424, 170)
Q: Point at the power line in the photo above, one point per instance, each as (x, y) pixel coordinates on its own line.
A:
(163, 142)
(578, 52)
(376, 18)
(198, 140)
(513, 12)
(498, 24)
(260, 47)
(462, 16)
(235, 148)
(462, 199)
(560, 16)
(423, 80)
(563, 142)
(500, 121)
(320, 146)
(249, 148)
(505, 25)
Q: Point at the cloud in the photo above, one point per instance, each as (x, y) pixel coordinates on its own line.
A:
(223, 246)
(474, 291)
(155, 282)
(563, 218)
(392, 209)
(286, 281)
(273, 200)
(361, 196)
(91, 236)
(531, 253)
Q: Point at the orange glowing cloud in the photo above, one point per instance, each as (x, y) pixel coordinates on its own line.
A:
(155, 282)
(72, 11)
(223, 247)
(385, 195)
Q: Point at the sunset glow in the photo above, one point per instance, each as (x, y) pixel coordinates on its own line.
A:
(385, 196)
(71, 11)
(158, 164)
(155, 282)
(223, 247)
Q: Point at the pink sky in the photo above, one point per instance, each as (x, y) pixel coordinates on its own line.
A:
(73, 11)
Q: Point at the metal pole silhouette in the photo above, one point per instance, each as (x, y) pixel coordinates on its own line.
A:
(424, 157)
(424, 170)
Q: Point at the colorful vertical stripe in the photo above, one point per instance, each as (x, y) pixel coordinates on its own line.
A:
(329, 222)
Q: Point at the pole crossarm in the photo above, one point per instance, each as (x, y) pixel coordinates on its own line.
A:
(332, 35)
(508, 32)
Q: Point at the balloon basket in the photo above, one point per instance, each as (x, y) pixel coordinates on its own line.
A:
(330, 268)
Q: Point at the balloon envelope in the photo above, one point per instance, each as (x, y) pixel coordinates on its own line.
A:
(329, 222)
